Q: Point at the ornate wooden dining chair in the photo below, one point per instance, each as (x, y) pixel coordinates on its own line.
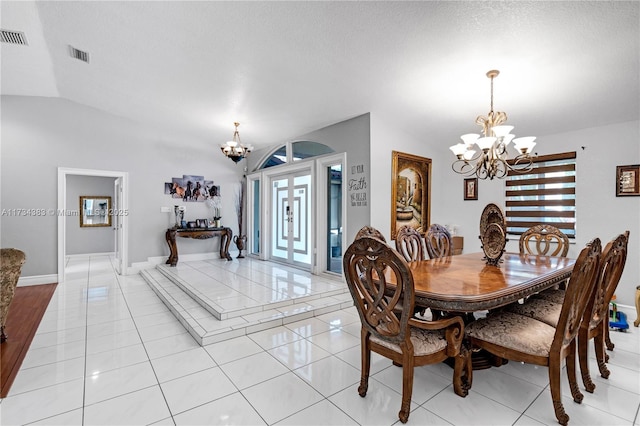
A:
(521, 338)
(609, 297)
(595, 322)
(370, 231)
(438, 241)
(409, 244)
(546, 240)
(379, 279)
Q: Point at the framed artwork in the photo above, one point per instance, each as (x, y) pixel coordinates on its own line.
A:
(628, 180)
(95, 211)
(410, 192)
(471, 189)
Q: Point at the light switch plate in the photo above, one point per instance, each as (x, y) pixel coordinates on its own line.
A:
(165, 209)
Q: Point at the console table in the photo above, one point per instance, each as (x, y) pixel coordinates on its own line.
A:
(199, 234)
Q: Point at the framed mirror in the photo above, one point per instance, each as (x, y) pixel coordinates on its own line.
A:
(95, 210)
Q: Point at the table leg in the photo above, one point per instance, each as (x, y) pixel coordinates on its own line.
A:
(637, 321)
(170, 236)
(225, 240)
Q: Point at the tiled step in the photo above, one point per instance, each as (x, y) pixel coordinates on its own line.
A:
(197, 313)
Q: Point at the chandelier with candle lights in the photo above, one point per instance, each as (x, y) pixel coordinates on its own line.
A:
(492, 159)
(234, 149)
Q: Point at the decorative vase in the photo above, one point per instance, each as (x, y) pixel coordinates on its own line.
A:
(240, 241)
(176, 210)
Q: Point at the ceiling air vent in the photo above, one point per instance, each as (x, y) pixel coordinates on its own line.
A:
(13, 37)
(79, 54)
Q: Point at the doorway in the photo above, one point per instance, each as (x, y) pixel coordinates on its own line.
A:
(298, 214)
(120, 213)
(291, 218)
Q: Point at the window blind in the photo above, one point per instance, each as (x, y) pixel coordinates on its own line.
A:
(545, 195)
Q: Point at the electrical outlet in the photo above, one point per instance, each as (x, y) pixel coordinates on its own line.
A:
(165, 209)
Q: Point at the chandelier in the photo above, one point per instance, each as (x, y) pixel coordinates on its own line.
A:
(234, 149)
(492, 158)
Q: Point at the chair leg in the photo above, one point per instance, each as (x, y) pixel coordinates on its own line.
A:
(601, 355)
(571, 373)
(366, 364)
(583, 356)
(607, 339)
(462, 372)
(407, 387)
(556, 395)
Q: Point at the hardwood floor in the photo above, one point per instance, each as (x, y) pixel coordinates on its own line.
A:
(26, 311)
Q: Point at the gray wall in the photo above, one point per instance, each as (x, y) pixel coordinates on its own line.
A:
(353, 137)
(87, 240)
(41, 134)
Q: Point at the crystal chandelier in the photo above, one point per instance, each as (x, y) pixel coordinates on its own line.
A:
(234, 148)
(491, 160)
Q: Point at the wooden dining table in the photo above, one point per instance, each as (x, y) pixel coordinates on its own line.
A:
(465, 283)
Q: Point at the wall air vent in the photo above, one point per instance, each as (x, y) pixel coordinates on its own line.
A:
(79, 54)
(13, 37)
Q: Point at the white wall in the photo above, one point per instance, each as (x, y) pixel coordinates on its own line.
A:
(41, 134)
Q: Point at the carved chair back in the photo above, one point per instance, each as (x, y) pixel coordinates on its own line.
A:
(370, 231)
(544, 240)
(409, 244)
(438, 241)
(614, 257)
(584, 278)
(364, 264)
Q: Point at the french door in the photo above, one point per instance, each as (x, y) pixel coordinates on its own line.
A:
(291, 216)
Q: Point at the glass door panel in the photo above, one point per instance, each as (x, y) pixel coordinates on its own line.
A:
(334, 218)
(291, 219)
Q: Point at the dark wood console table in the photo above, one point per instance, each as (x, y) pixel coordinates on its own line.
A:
(199, 234)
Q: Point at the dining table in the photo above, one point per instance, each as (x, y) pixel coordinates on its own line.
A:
(464, 284)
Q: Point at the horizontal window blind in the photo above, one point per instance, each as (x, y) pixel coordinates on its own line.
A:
(545, 195)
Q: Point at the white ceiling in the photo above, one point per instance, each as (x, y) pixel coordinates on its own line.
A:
(286, 68)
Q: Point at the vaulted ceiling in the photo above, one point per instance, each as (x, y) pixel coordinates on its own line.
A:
(285, 68)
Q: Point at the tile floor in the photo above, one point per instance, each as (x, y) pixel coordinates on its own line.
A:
(109, 352)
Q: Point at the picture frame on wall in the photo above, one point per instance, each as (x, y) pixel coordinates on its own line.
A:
(471, 189)
(410, 192)
(628, 180)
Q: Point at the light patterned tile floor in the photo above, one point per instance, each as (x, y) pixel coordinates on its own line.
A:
(109, 352)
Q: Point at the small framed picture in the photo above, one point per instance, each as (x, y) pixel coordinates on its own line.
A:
(628, 180)
(471, 189)
(202, 223)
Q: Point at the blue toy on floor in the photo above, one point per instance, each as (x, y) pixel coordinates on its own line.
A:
(618, 320)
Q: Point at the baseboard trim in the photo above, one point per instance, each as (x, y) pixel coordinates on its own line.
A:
(37, 280)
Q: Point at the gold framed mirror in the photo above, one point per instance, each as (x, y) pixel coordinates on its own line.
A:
(95, 210)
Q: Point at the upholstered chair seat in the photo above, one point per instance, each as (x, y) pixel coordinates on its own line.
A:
(425, 342)
(539, 309)
(552, 295)
(514, 331)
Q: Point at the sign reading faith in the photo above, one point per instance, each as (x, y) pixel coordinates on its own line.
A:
(358, 186)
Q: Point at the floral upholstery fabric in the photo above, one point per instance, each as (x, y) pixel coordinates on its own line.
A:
(552, 295)
(540, 309)
(424, 342)
(11, 261)
(514, 331)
